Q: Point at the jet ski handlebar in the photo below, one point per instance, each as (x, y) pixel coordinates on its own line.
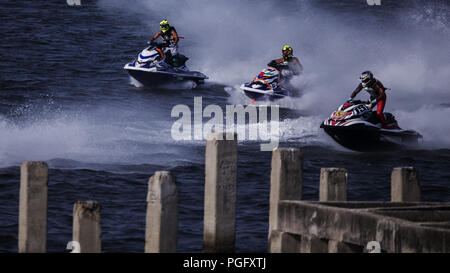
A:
(356, 101)
(158, 45)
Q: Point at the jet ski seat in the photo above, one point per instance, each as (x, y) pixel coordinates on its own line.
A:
(374, 118)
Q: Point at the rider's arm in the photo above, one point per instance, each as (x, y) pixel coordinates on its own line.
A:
(359, 88)
(175, 37)
(272, 63)
(155, 36)
(275, 62)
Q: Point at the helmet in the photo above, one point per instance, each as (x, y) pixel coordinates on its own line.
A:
(366, 78)
(287, 51)
(164, 25)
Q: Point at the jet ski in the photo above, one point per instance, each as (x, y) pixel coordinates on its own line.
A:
(355, 126)
(155, 67)
(265, 86)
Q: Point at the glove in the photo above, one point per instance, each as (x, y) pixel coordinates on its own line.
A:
(371, 104)
(349, 99)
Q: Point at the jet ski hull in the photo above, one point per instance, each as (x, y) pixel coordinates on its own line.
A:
(151, 77)
(153, 67)
(261, 94)
(365, 138)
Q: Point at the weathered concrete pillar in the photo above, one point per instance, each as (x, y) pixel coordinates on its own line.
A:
(33, 207)
(285, 182)
(333, 184)
(283, 242)
(87, 226)
(405, 186)
(220, 193)
(312, 244)
(161, 231)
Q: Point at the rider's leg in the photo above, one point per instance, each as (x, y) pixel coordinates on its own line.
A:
(380, 108)
(173, 49)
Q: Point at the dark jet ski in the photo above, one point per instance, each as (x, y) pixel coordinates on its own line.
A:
(355, 126)
(155, 67)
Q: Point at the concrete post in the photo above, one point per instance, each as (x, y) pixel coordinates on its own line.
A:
(285, 182)
(161, 231)
(405, 186)
(333, 184)
(220, 192)
(283, 242)
(87, 226)
(33, 207)
(312, 244)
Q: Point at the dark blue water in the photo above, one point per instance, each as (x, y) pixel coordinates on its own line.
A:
(65, 99)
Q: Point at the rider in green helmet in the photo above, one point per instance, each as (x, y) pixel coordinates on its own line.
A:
(170, 37)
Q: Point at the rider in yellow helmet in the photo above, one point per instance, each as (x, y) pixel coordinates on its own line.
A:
(288, 59)
(287, 66)
(169, 36)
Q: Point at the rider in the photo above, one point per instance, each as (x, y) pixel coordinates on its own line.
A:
(288, 59)
(377, 94)
(169, 36)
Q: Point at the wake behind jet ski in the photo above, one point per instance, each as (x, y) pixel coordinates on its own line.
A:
(355, 126)
(274, 81)
(152, 67)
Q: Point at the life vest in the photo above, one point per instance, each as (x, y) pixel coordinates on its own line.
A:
(370, 88)
(289, 61)
(167, 36)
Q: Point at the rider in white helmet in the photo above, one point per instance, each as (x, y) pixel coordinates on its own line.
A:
(377, 94)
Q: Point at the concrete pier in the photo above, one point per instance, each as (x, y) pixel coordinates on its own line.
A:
(285, 184)
(33, 207)
(405, 186)
(87, 226)
(161, 231)
(220, 192)
(334, 225)
(333, 184)
(397, 227)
